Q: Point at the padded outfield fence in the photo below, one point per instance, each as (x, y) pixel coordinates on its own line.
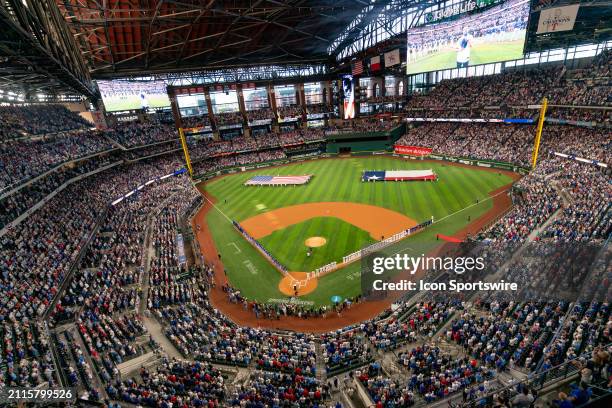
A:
(296, 159)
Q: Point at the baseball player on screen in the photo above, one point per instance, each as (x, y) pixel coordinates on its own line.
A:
(464, 47)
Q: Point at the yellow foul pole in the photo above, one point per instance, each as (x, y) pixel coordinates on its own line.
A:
(186, 151)
(536, 144)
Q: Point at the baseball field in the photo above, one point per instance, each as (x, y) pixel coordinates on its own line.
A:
(305, 227)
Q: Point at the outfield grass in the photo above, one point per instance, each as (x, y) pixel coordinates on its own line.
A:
(481, 54)
(458, 189)
(290, 250)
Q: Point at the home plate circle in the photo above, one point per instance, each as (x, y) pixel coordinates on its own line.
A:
(314, 242)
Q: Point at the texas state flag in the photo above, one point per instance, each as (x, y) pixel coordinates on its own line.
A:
(398, 175)
(373, 176)
(375, 63)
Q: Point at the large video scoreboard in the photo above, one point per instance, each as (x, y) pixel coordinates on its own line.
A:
(478, 34)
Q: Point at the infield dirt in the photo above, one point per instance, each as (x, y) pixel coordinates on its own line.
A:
(379, 222)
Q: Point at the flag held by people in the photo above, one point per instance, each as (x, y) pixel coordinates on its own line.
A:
(277, 180)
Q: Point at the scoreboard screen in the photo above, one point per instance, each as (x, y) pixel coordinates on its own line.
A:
(493, 35)
(120, 95)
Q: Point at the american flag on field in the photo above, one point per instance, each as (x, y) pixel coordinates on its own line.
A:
(277, 180)
(358, 67)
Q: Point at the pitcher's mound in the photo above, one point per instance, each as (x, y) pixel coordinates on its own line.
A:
(314, 242)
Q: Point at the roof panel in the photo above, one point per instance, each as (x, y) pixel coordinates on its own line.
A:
(152, 36)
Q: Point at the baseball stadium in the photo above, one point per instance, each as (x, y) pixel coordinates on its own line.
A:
(305, 204)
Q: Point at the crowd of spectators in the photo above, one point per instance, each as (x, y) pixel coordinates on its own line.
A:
(20, 121)
(507, 334)
(366, 125)
(507, 143)
(243, 150)
(73, 365)
(290, 112)
(599, 116)
(260, 114)
(25, 354)
(172, 383)
(152, 150)
(435, 374)
(139, 134)
(195, 121)
(17, 203)
(422, 319)
(229, 118)
(508, 88)
(319, 108)
(588, 215)
(472, 113)
(37, 254)
(582, 87)
(385, 99)
(280, 390)
(25, 159)
(242, 159)
(345, 350)
(171, 282)
(588, 86)
(584, 331)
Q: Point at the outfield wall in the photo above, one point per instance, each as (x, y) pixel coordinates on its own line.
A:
(471, 162)
(271, 163)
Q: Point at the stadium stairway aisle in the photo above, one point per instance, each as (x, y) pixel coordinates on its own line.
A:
(156, 331)
(96, 380)
(320, 366)
(534, 234)
(114, 142)
(154, 328)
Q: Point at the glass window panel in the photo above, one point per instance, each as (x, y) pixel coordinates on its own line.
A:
(313, 93)
(223, 102)
(255, 98)
(285, 95)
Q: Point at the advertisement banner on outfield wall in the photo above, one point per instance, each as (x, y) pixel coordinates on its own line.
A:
(412, 150)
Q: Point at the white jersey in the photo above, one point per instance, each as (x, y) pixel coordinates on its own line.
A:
(144, 103)
(463, 48)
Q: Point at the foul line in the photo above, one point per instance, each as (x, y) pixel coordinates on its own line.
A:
(457, 212)
(472, 205)
(231, 222)
(217, 208)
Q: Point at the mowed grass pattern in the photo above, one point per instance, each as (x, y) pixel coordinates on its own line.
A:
(290, 249)
(339, 180)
